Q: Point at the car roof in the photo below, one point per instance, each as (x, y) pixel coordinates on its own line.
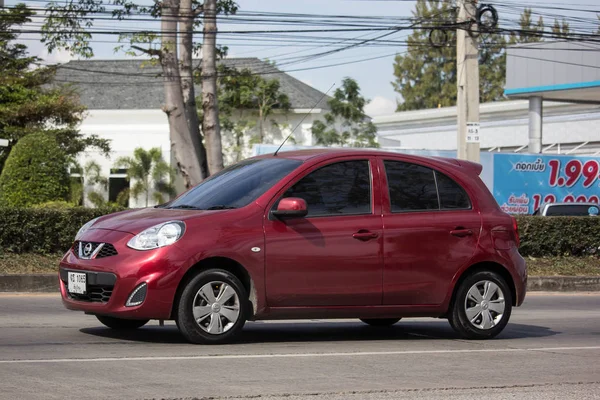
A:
(570, 204)
(326, 153)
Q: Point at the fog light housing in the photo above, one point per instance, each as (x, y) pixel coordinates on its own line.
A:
(138, 295)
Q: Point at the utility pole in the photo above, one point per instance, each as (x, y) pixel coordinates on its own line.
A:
(467, 69)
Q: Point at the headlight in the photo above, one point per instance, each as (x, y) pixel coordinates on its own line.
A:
(85, 227)
(158, 236)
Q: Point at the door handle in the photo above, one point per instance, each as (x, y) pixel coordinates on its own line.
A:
(365, 235)
(461, 232)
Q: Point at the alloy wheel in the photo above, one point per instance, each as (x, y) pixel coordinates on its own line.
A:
(485, 305)
(216, 307)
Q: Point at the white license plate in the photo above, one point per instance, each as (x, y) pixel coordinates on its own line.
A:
(77, 283)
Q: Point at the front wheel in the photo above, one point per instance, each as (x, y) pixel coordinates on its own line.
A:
(122, 324)
(380, 321)
(212, 308)
(482, 306)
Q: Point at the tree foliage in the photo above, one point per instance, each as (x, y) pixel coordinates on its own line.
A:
(346, 124)
(27, 104)
(36, 172)
(149, 174)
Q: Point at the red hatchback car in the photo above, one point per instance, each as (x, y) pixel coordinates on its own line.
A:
(309, 234)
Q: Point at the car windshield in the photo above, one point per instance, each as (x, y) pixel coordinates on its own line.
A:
(572, 210)
(236, 186)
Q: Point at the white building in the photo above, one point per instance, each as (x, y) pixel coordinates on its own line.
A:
(124, 100)
(568, 128)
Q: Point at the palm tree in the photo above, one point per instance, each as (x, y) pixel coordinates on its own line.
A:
(150, 173)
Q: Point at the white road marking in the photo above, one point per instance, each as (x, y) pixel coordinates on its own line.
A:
(297, 355)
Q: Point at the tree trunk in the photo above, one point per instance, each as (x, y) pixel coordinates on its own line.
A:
(186, 46)
(261, 129)
(210, 123)
(184, 145)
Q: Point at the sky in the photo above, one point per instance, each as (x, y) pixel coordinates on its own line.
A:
(374, 76)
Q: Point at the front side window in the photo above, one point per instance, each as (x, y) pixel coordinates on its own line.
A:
(412, 187)
(343, 188)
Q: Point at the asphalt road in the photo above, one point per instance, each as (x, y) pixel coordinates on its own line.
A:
(550, 350)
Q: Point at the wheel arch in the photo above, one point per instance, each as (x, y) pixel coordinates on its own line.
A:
(230, 265)
(490, 266)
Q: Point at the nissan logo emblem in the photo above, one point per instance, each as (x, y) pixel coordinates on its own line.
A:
(87, 250)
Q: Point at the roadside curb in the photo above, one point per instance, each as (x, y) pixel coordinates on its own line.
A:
(47, 283)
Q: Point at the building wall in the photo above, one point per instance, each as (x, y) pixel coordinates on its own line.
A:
(130, 129)
(504, 126)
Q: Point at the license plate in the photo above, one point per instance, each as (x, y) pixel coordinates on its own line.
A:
(77, 283)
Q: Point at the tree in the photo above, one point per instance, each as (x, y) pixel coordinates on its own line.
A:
(150, 173)
(346, 124)
(561, 29)
(246, 101)
(68, 24)
(426, 76)
(528, 32)
(27, 104)
(36, 172)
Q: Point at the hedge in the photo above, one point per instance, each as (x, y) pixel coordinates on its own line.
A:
(51, 231)
(43, 230)
(559, 236)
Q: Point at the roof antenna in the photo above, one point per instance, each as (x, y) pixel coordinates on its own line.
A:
(302, 120)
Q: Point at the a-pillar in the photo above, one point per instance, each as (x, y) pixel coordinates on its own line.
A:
(536, 116)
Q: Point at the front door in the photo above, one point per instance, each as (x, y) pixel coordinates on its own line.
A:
(333, 256)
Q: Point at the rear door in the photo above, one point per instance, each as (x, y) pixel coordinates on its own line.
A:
(431, 230)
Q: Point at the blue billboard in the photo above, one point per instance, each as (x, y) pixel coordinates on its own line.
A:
(524, 181)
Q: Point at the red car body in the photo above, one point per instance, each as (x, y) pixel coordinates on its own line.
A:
(379, 265)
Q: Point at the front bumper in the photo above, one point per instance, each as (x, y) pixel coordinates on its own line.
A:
(111, 280)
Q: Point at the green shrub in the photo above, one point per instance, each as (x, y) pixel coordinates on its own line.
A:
(43, 230)
(35, 172)
(559, 236)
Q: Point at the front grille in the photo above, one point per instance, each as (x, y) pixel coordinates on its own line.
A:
(89, 250)
(95, 294)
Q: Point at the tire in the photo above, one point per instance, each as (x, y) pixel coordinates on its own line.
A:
(381, 321)
(122, 324)
(488, 314)
(216, 321)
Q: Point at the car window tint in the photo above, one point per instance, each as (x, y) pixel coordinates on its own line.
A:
(571, 210)
(452, 195)
(336, 189)
(411, 187)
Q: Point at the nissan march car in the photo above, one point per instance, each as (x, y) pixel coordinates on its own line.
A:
(309, 234)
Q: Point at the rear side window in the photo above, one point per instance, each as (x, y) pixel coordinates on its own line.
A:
(343, 188)
(411, 186)
(452, 195)
(417, 188)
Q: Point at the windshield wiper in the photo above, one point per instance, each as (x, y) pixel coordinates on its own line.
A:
(221, 207)
(185, 207)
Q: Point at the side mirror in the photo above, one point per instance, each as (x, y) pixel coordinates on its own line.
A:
(291, 207)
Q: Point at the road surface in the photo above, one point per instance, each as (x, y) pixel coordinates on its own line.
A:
(551, 349)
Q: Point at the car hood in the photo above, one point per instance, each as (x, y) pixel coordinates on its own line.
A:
(135, 221)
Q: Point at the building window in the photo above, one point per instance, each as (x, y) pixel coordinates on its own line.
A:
(118, 187)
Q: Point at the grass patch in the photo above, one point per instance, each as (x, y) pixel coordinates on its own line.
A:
(563, 266)
(27, 263)
(543, 266)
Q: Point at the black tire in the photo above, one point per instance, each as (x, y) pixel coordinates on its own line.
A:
(380, 321)
(122, 324)
(458, 313)
(192, 330)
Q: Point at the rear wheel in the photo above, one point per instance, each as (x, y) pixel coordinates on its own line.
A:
(212, 308)
(380, 321)
(122, 324)
(482, 306)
